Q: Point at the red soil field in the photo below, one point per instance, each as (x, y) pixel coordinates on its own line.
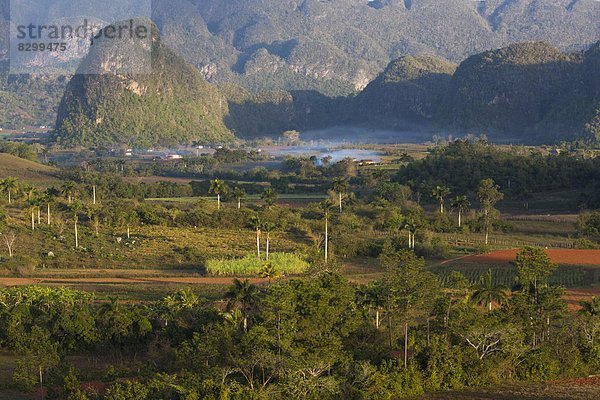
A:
(9, 281)
(574, 296)
(559, 256)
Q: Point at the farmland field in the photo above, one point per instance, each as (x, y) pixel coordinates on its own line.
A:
(558, 256)
(576, 389)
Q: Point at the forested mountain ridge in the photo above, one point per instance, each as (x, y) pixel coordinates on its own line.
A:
(409, 89)
(300, 44)
(171, 105)
(525, 90)
(353, 40)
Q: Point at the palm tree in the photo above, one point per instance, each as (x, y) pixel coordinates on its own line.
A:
(91, 211)
(326, 206)
(460, 204)
(76, 208)
(488, 195)
(375, 298)
(243, 295)
(217, 187)
(340, 187)
(130, 217)
(34, 207)
(487, 292)
(9, 185)
(440, 193)
(269, 196)
(411, 227)
(48, 198)
(268, 227)
(256, 224)
(268, 271)
(68, 190)
(239, 194)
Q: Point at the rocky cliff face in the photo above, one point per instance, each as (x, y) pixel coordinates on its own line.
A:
(172, 104)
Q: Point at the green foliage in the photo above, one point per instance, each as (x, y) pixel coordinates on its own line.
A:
(283, 263)
(39, 354)
(410, 89)
(150, 110)
(539, 366)
(128, 390)
(21, 150)
(588, 224)
(28, 100)
(534, 267)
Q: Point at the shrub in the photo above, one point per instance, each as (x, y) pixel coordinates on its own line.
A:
(282, 263)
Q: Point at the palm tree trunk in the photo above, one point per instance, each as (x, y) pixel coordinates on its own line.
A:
(218, 201)
(340, 198)
(258, 243)
(377, 318)
(39, 216)
(128, 232)
(32, 220)
(49, 214)
(41, 383)
(239, 203)
(9, 196)
(459, 218)
(268, 240)
(326, 239)
(94, 193)
(390, 333)
(76, 236)
(405, 344)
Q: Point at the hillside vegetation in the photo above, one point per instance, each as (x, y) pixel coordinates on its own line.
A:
(28, 100)
(171, 105)
(524, 90)
(28, 171)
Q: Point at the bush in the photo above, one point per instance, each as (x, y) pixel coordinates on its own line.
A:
(436, 248)
(585, 244)
(539, 366)
(282, 263)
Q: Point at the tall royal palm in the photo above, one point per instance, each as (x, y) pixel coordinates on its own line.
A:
(268, 228)
(256, 224)
(68, 190)
(243, 295)
(239, 194)
(269, 196)
(488, 293)
(440, 193)
(10, 186)
(460, 204)
(217, 187)
(326, 207)
(340, 187)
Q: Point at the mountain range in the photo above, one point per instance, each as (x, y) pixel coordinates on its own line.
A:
(315, 63)
(526, 92)
(298, 44)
